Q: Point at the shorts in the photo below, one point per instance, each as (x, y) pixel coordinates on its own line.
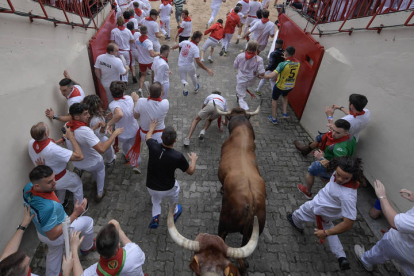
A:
(377, 205)
(182, 38)
(210, 42)
(144, 67)
(316, 169)
(209, 111)
(277, 92)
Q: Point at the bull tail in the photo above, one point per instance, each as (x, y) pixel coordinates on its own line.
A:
(248, 225)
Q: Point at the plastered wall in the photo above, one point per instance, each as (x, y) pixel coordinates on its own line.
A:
(33, 57)
(379, 66)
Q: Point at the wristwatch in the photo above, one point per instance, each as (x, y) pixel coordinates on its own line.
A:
(21, 228)
(55, 117)
(341, 108)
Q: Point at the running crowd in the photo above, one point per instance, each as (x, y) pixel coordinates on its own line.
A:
(91, 136)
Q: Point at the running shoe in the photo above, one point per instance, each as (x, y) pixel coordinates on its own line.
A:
(221, 52)
(202, 133)
(225, 53)
(140, 92)
(210, 59)
(285, 116)
(359, 251)
(290, 220)
(202, 60)
(258, 93)
(274, 121)
(185, 90)
(186, 141)
(343, 263)
(304, 191)
(154, 222)
(178, 213)
(136, 170)
(134, 79)
(197, 88)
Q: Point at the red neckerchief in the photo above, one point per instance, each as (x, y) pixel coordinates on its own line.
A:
(149, 18)
(126, 21)
(121, 28)
(75, 124)
(30, 272)
(133, 32)
(356, 113)
(265, 20)
(51, 195)
(247, 1)
(351, 184)
(134, 152)
(164, 58)
(142, 38)
(249, 54)
(75, 93)
(187, 19)
(138, 12)
(194, 42)
(154, 99)
(165, 3)
(117, 99)
(38, 146)
(328, 140)
(108, 264)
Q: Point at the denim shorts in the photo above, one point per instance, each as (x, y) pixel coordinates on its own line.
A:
(377, 205)
(319, 138)
(316, 169)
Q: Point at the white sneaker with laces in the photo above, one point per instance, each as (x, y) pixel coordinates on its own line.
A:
(186, 141)
(140, 92)
(359, 251)
(210, 59)
(202, 133)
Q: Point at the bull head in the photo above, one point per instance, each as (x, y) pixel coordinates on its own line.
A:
(211, 253)
(229, 112)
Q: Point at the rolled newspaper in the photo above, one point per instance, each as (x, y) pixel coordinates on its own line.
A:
(65, 226)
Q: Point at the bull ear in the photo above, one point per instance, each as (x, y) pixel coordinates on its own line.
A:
(194, 266)
(231, 270)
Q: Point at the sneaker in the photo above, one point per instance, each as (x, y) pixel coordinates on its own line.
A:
(290, 220)
(168, 38)
(285, 116)
(237, 41)
(93, 248)
(359, 251)
(274, 121)
(146, 84)
(178, 213)
(110, 164)
(210, 59)
(154, 222)
(225, 54)
(186, 141)
(134, 79)
(86, 209)
(343, 263)
(185, 90)
(98, 199)
(202, 60)
(304, 191)
(197, 88)
(136, 170)
(202, 133)
(148, 72)
(258, 93)
(140, 92)
(222, 51)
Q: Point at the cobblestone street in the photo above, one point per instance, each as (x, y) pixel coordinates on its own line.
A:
(281, 250)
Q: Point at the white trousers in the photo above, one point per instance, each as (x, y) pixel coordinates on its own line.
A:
(241, 90)
(209, 43)
(157, 196)
(383, 251)
(55, 251)
(248, 21)
(135, 58)
(98, 174)
(165, 29)
(71, 182)
(166, 87)
(226, 41)
(126, 144)
(214, 12)
(191, 71)
(108, 94)
(271, 81)
(126, 56)
(305, 214)
(110, 153)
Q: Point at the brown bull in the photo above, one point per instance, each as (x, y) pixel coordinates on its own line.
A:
(211, 254)
(244, 190)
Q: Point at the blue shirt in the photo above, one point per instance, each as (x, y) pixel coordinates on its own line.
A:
(48, 213)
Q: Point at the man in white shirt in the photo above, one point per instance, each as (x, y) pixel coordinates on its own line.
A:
(46, 151)
(215, 7)
(265, 4)
(186, 27)
(123, 4)
(262, 30)
(91, 146)
(146, 55)
(153, 29)
(129, 17)
(357, 115)
(139, 14)
(254, 6)
(146, 110)
(335, 201)
(249, 66)
(165, 12)
(114, 259)
(208, 111)
(161, 70)
(122, 37)
(134, 50)
(108, 68)
(73, 93)
(398, 243)
(245, 7)
(188, 54)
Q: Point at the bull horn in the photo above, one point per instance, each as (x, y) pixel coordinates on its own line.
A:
(248, 249)
(256, 111)
(219, 111)
(176, 236)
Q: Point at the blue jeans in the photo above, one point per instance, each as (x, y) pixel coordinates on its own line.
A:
(316, 169)
(178, 15)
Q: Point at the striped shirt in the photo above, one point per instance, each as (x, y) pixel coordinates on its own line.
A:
(178, 4)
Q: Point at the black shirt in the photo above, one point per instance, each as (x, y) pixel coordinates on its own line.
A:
(275, 58)
(162, 164)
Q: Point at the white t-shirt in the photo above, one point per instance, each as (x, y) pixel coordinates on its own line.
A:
(143, 50)
(336, 201)
(54, 155)
(188, 27)
(189, 51)
(247, 68)
(358, 123)
(150, 110)
(245, 7)
(87, 140)
(254, 6)
(153, 28)
(134, 46)
(403, 238)
(165, 12)
(128, 122)
(218, 99)
(94, 120)
(111, 68)
(122, 3)
(161, 70)
(134, 260)
(133, 20)
(264, 3)
(261, 32)
(121, 38)
(75, 96)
